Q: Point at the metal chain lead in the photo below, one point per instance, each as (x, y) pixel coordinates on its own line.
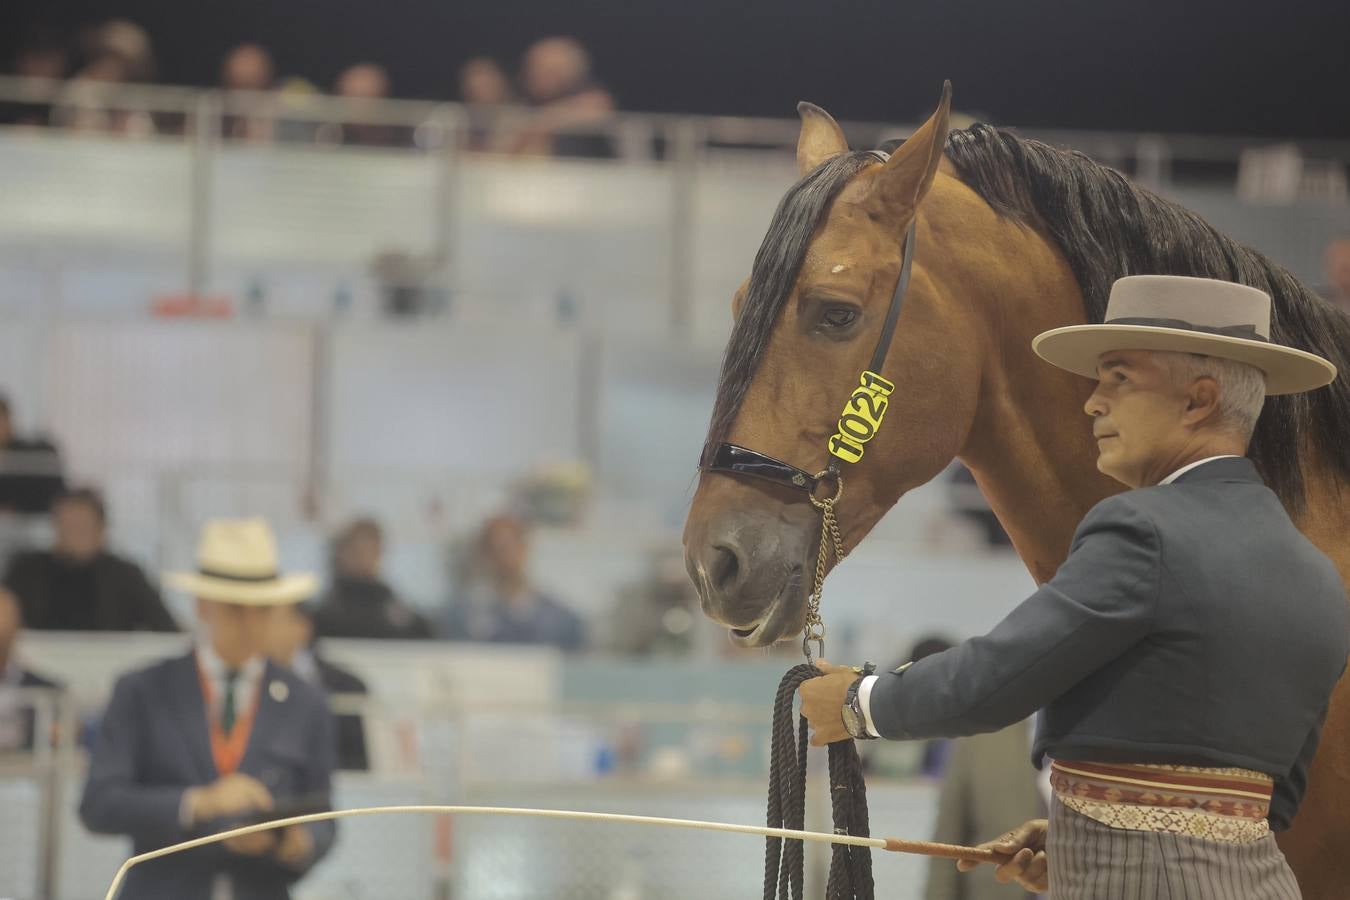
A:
(814, 632)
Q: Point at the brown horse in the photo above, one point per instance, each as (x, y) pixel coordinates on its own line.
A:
(1013, 238)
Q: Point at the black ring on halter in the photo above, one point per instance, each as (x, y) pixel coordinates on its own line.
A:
(732, 459)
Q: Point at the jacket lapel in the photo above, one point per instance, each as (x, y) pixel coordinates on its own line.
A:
(190, 708)
(268, 715)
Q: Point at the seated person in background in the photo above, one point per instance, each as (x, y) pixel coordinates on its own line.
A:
(363, 86)
(499, 604)
(291, 644)
(1337, 262)
(967, 500)
(571, 107)
(358, 603)
(484, 90)
(198, 743)
(30, 469)
(659, 614)
(78, 585)
(17, 713)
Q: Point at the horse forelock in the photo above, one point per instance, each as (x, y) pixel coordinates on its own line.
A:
(772, 276)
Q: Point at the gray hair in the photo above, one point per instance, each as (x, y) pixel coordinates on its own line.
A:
(1242, 387)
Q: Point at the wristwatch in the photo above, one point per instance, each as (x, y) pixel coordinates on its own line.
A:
(855, 723)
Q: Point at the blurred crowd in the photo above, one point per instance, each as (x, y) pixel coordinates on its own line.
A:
(253, 718)
(553, 105)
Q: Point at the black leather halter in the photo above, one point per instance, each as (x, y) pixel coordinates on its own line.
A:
(733, 459)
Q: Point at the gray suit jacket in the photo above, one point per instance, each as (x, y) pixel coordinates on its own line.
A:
(1191, 623)
(153, 745)
(988, 788)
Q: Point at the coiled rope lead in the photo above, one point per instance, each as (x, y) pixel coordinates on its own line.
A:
(850, 875)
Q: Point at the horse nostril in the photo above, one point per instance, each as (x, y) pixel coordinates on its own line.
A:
(726, 565)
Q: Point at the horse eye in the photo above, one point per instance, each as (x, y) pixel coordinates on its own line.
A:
(838, 317)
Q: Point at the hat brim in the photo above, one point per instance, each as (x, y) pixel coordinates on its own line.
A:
(1076, 349)
(279, 591)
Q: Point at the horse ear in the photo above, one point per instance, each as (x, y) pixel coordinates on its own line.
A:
(821, 138)
(908, 174)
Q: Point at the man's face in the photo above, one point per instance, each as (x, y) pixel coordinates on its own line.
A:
(289, 633)
(360, 556)
(248, 68)
(505, 545)
(1137, 415)
(1338, 265)
(237, 632)
(79, 532)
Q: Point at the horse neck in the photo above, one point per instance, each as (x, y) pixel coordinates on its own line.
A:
(1030, 446)
(1325, 517)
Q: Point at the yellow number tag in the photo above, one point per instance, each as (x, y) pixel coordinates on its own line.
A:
(861, 418)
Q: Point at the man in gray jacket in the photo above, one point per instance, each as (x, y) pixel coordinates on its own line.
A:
(1183, 656)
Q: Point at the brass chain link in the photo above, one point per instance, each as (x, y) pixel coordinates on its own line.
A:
(814, 631)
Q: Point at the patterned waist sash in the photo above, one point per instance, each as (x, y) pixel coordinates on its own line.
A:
(1227, 805)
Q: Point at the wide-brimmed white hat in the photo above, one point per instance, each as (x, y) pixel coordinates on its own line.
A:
(1186, 315)
(237, 563)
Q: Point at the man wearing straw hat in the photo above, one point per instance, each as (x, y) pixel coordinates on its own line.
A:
(197, 743)
(1183, 656)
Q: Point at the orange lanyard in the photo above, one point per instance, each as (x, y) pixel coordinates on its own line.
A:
(226, 750)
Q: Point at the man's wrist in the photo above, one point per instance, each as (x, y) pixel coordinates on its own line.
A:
(188, 807)
(854, 713)
(865, 704)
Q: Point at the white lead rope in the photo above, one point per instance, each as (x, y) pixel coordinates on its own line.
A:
(926, 848)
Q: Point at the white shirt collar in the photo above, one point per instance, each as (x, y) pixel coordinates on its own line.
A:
(1199, 462)
(215, 668)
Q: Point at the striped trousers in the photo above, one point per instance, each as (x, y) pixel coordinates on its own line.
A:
(1091, 861)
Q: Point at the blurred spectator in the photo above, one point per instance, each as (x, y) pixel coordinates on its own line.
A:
(194, 744)
(968, 501)
(910, 759)
(570, 104)
(406, 283)
(363, 86)
(935, 752)
(990, 787)
(78, 585)
(499, 604)
(484, 90)
(89, 100)
(358, 603)
(30, 469)
(248, 67)
(17, 714)
(658, 615)
(42, 54)
(291, 643)
(1337, 262)
(124, 40)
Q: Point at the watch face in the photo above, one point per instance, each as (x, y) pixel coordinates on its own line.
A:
(852, 721)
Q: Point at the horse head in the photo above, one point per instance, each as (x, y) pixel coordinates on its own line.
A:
(806, 324)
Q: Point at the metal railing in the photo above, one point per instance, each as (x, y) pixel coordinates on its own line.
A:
(682, 150)
(553, 755)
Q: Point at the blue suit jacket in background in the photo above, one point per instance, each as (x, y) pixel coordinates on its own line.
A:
(153, 745)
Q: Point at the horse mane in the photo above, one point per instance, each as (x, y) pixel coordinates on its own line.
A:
(1108, 227)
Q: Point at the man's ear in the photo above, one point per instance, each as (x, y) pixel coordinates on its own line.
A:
(1202, 401)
